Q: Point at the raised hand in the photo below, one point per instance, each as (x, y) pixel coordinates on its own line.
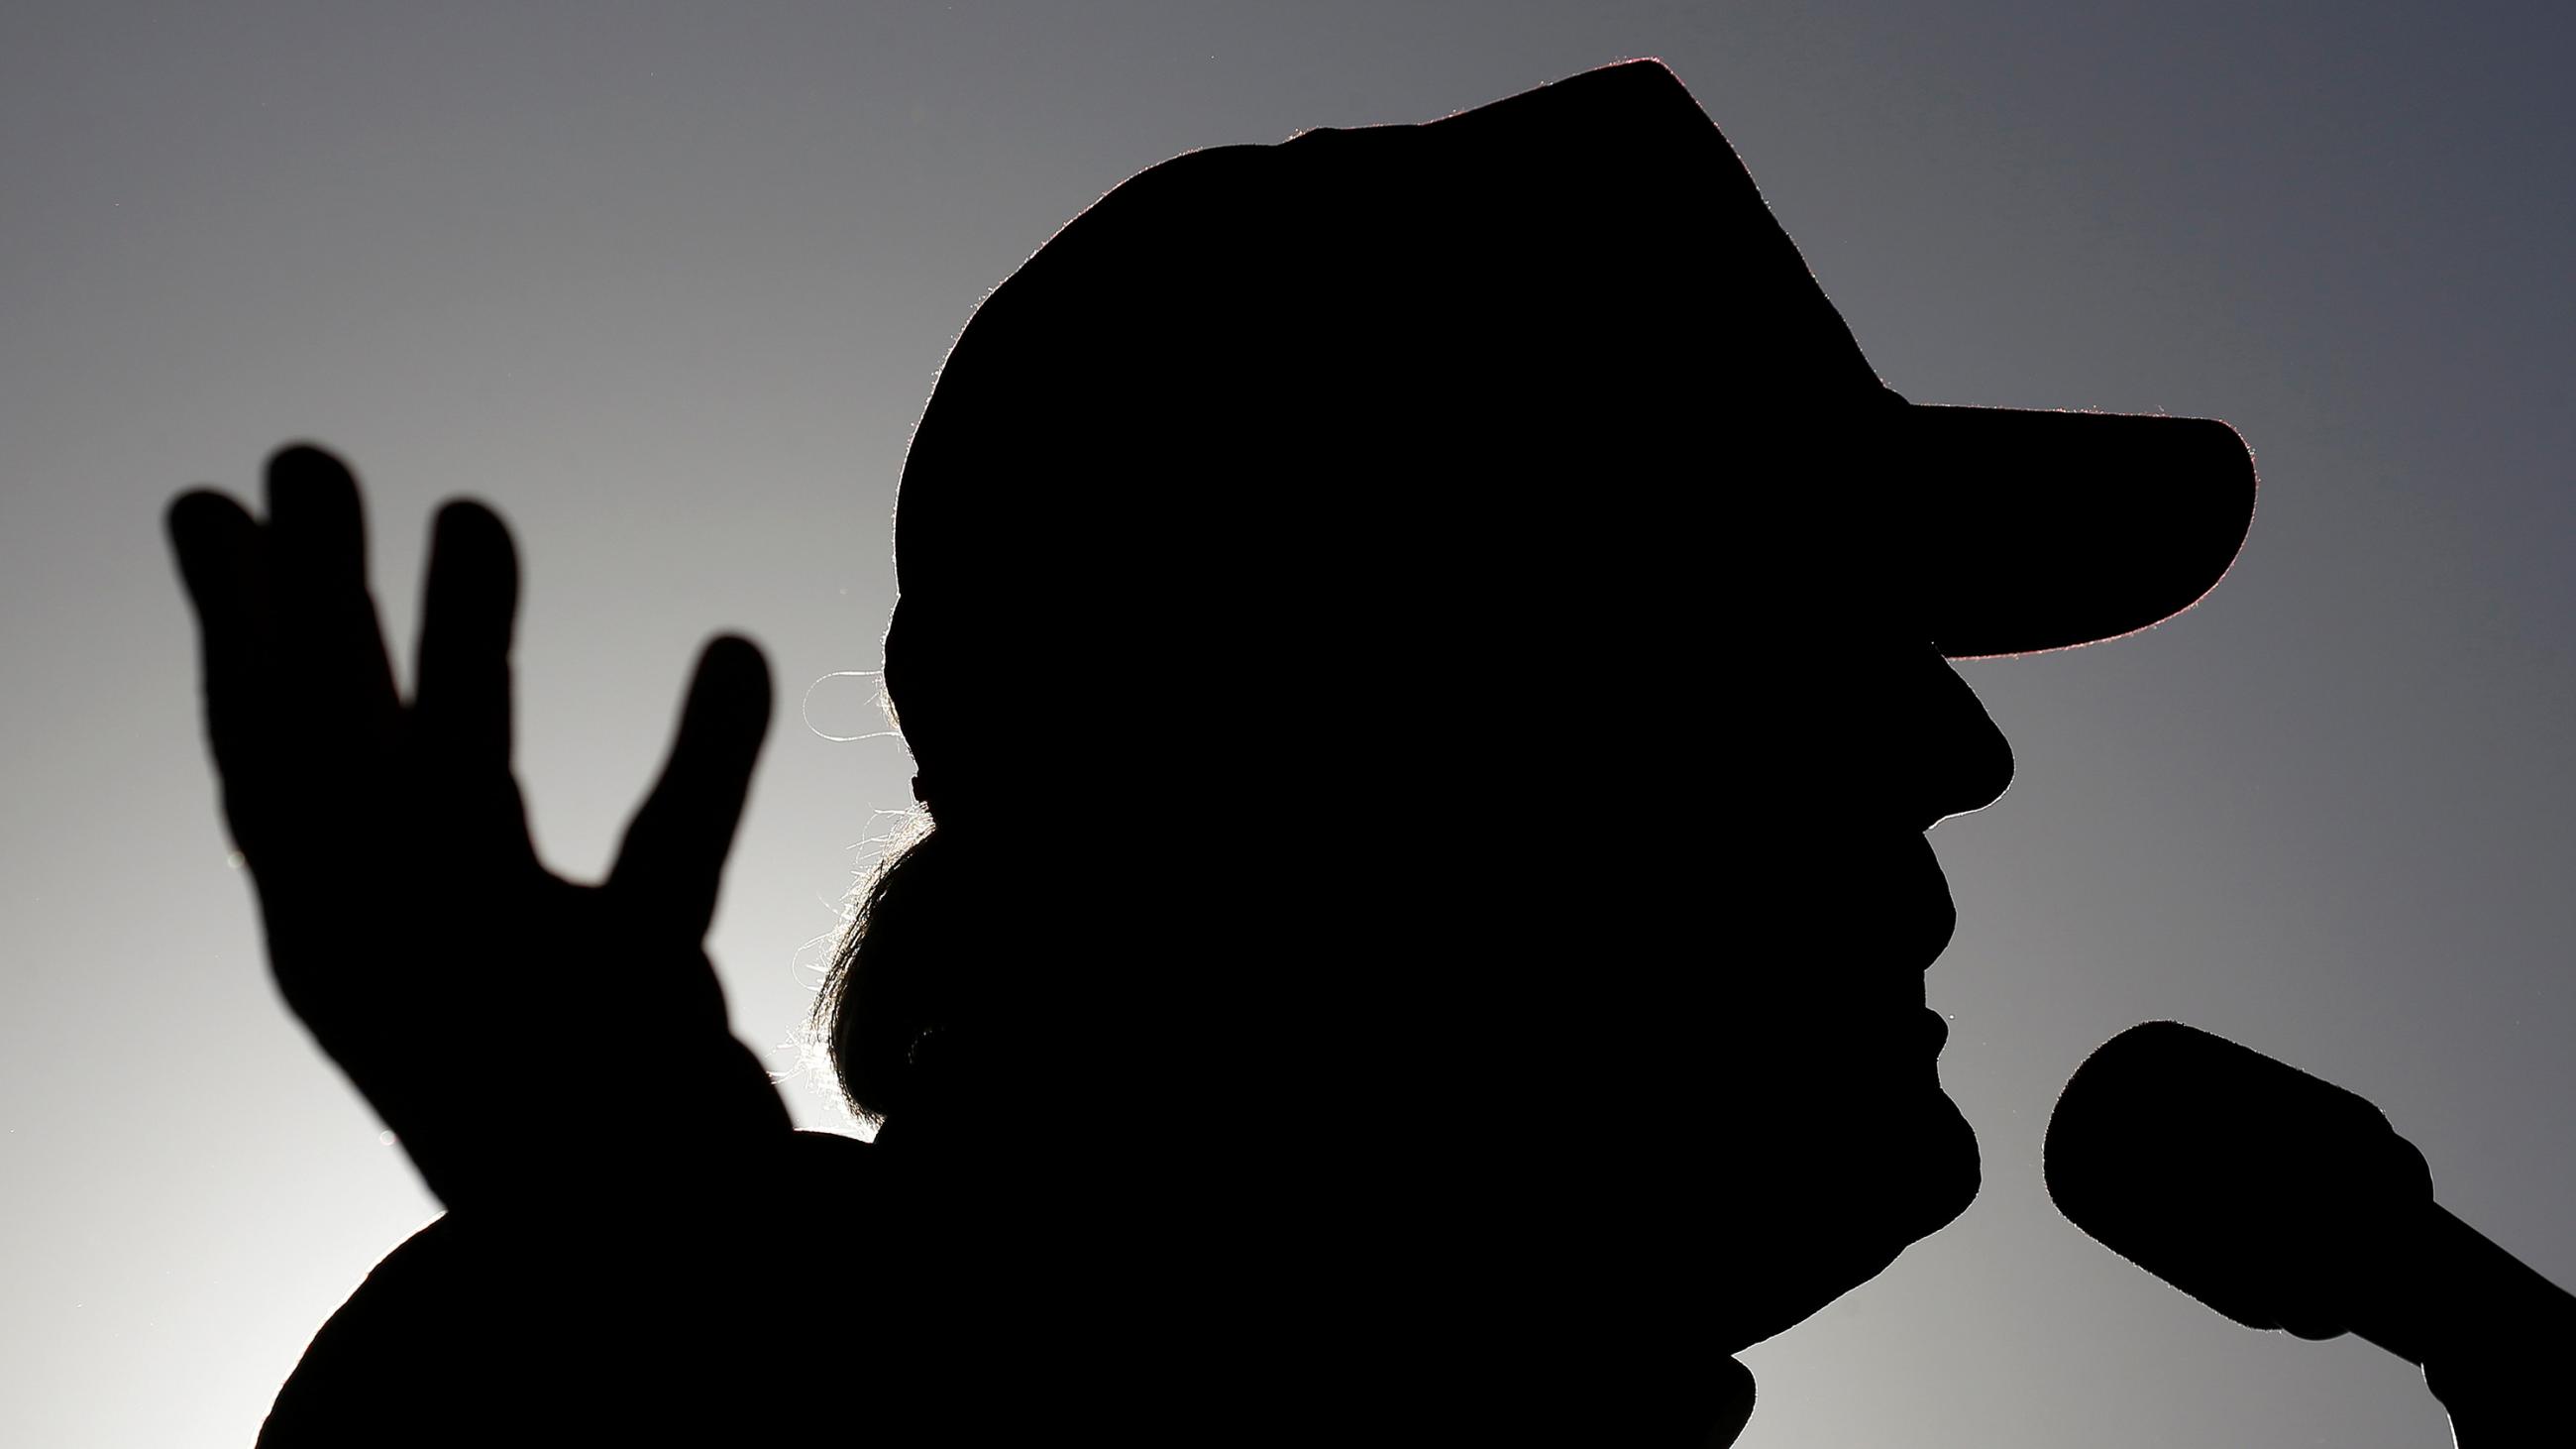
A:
(526, 1037)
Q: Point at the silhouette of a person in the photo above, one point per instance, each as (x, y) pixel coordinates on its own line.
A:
(1425, 648)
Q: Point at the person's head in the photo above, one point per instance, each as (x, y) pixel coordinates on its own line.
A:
(1425, 652)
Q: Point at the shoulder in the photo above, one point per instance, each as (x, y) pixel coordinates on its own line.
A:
(563, 1324)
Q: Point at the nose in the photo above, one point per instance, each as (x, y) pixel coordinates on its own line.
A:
(1966, 762)
(1975, 762)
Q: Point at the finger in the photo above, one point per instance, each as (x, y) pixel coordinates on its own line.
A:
(213, 540)
(461, 708)
(332, 661)
(220, 552)
(673, 859)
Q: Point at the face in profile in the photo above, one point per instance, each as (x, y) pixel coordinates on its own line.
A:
(1571, 889)
(1495, 602)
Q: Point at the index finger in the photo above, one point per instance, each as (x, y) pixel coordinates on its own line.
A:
(222, 561)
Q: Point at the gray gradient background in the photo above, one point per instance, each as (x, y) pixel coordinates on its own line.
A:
(670, 283)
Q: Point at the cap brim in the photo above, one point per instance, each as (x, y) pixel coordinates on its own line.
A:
(2054, 529)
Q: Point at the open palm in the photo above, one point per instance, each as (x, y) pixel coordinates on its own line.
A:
(412, 928)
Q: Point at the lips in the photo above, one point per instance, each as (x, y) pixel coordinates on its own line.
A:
(1924, 912)
(1894, 1046)
(1909, 926)
(1881, 915)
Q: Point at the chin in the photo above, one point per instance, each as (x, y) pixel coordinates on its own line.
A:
(1949, 1170)
(1852, 1211)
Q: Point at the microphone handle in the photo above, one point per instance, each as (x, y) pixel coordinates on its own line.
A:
(2496, 1340)
(2456, 1293)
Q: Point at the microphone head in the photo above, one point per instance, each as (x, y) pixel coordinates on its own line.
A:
(2268, 1194)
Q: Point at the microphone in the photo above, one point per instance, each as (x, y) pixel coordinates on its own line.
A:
(2285, 1202)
